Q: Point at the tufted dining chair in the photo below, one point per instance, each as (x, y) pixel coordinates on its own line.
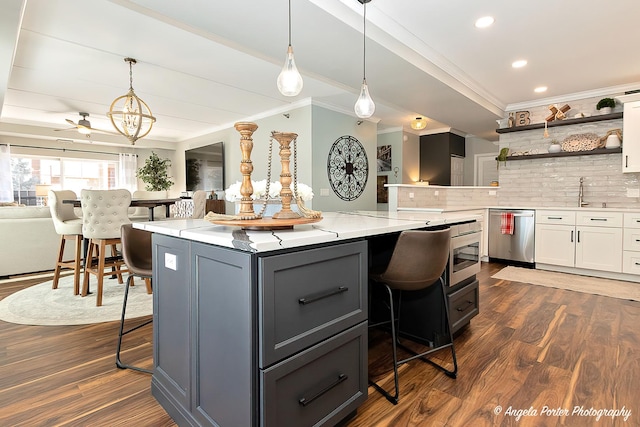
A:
(103, 213)
(69, 227)
(199, 204)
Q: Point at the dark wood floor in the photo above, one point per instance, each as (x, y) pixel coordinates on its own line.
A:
(530, 346)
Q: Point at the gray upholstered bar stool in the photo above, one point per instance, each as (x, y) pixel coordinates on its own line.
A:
(137, 254)
(69, 227)
(417, 263)
(103, 213)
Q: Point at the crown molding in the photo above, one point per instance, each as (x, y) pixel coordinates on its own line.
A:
(594, 93)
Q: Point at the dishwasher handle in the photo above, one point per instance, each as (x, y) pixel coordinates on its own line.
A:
(523, 215)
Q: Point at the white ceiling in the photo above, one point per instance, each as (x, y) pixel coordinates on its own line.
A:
(203, 65)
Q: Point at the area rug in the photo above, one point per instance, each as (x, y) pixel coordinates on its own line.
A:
(41, 305)
(572, 282)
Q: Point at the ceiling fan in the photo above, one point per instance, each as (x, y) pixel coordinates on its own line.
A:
(84, 126)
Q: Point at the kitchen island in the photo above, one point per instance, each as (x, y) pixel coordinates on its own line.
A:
(266, 328)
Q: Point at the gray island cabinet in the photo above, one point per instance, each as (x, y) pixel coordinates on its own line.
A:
(275, 338)
(269, 328)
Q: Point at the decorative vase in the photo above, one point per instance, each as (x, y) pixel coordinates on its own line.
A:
(605, 110)
(555, 148)
(612, 141)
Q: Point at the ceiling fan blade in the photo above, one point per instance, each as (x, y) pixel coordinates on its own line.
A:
(65, 129)
(107, 132)
(71, 122)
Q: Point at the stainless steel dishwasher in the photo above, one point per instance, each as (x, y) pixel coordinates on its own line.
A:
(519, 246)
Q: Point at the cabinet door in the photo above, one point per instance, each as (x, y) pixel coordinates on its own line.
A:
(555, 244)
(599, 248)
(631, 133)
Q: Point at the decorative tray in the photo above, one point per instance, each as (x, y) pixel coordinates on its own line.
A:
(266, 223)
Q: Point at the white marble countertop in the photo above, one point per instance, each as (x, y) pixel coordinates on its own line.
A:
(334, 226)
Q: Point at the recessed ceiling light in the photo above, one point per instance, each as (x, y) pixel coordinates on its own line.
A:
(484, 22)
(519, 63)
(540, 89)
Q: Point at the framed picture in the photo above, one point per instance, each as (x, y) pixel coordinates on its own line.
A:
(383, 192)
(384, 158)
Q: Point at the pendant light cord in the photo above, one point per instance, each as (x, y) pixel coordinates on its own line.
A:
(364, 43)
(289, 22)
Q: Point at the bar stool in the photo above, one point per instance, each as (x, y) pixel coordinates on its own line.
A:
(69, 227)
(417, 263)
(136, 251)
(103, 213)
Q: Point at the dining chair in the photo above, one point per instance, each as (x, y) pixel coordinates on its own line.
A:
(199, 204)
(103, 213)
(69, 226)
(137, 255)
(417, 263)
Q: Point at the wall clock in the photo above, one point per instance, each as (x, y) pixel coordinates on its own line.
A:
(347, 168)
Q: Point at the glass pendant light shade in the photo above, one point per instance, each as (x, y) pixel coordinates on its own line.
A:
(364, 107)
(290, 81)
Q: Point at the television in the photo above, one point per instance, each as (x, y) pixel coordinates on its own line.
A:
(205, 168)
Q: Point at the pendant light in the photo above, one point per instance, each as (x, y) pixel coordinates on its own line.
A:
(418, 123)
(289, 80)
(364, 107)
(134, 116)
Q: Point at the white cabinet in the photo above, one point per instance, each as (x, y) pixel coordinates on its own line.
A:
(631, 137)
(631, 244)
(555, 238)
(582, 239)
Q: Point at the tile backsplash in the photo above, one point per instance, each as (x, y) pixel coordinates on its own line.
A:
(555, 181)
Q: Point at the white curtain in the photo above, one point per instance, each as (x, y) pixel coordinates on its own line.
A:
(6, 185)
(127, 172)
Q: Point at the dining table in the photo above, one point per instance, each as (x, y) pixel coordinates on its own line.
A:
(143, 203)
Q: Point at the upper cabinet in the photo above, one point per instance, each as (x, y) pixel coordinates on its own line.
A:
(631, 137)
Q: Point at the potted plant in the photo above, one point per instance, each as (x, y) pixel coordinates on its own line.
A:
(605, 105)
(154, 173)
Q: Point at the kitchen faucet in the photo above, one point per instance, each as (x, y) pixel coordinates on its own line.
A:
(581, 202)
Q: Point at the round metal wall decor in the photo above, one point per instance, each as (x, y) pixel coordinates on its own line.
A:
(347, 168)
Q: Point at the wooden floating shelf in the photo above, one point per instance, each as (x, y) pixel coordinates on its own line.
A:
(565, 122)
(567, 154)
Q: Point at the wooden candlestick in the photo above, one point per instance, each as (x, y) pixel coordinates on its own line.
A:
(246, 129)
(285, 138)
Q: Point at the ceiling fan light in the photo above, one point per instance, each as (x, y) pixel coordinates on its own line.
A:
(418, 123)
(289, 80)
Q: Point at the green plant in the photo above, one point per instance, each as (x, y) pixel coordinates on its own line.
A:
(154, 173)
(606, 102)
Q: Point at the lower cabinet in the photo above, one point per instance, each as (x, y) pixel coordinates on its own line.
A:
(250, 339)
(589, 240)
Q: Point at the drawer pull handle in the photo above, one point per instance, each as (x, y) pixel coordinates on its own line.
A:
(637, 240)
(554, 217)
(304, 401)
(469, 302)
(598, 219)
(637, 263)
(314, 298)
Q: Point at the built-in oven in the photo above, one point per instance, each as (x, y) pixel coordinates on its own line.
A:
(464, 252)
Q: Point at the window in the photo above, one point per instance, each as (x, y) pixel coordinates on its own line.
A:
(60, 173)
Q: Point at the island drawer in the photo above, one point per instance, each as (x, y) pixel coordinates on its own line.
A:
(631, 262)
(463, 305)
(319, 386)
(307, 296)
(555, 217)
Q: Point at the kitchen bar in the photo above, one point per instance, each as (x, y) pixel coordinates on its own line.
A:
(235, 341)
